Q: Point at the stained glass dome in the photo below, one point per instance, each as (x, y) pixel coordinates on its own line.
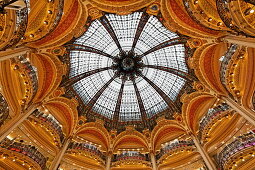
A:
(128, 67)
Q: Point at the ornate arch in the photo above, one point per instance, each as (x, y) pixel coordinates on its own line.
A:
(206, 64)
(95, 132)
(165, 131)
(130, 136)
(50, 71)
(195, 105)
(64, 110)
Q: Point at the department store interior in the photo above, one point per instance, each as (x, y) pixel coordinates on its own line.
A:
(127, 84)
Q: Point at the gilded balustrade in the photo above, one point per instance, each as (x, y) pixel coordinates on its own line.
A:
(228, 65)
(88, 150)
(31, 72)
(225, 62)
(239, 145)
(174, 146)
(224, 8)
(211, 117)
(26, 150)
(131, 158)
(20, 28)
(50, 123)
(199, 12)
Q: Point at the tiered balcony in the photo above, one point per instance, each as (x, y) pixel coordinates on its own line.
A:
(212, 116)
(239, 145)
(175, 146)
(131, 158)
(225, 62)
(50, 123)
(87, 149)
(4, 110)
(25, 150)
(30, 70)
(20, 24)
(225, 9)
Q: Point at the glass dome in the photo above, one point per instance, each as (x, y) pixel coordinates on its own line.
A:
(127, 67)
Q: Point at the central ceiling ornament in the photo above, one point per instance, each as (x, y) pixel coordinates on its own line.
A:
(128, 65)
(127, 68)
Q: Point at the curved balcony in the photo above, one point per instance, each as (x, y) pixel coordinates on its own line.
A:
(241, 144)
(229, 61)
(31, 72)
(194, 9)
(25, 150)
(4, 110)
(224, 10)
(225, 62)
(175, 146)
(20, 25)
(87, 149)
(49, 122)
(131, 157)
(58, 16)
(212, 116)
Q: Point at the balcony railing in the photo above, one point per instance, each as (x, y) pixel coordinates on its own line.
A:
(225, 62)
(88, 148)
(130, 155)
(50, 121)
(240, 144)
(4, 110)
(58, 16)
(31, 72)
(131, 158)
(210, 116)
(192, 14)
(27, 150)
(224, 10)
(20, 27)
(173, 146)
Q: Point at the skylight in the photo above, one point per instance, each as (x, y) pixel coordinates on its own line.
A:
(113, 38)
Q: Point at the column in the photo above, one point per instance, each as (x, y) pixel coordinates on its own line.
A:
(240, 40)
(11, 53)
(208, 161)
(108, 161)
(153, 161)
(244, 112)
(60, 154)
(7, 128)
